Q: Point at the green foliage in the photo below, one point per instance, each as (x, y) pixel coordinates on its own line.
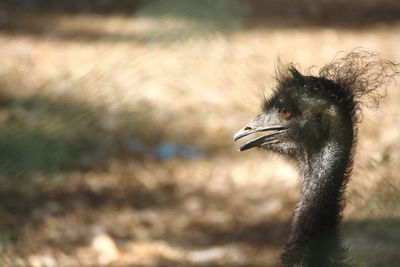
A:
(53, 135)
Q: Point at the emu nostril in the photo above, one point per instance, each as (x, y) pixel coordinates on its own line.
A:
(247, 128)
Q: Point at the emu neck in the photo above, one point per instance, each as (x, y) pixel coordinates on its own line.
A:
(314, 239)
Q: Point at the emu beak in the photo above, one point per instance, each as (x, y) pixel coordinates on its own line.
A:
(258, 124)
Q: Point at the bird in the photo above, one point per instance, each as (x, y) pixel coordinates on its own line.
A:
(312, 120)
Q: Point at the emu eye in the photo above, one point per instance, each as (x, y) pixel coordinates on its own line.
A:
(284, 113)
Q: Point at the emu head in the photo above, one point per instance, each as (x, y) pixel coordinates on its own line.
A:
(305, 112)
(298, 117)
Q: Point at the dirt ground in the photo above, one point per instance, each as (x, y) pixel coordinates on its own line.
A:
(116, 125)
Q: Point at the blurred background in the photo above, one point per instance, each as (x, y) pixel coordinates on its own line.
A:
(116, 124)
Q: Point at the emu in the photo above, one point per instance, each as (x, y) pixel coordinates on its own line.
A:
(313, 120)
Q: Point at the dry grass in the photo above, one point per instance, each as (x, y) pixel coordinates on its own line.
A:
(89, 85)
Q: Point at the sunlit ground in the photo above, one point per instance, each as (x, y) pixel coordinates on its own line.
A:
(116, 135)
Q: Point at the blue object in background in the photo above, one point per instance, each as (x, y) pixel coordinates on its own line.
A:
(164, 151)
